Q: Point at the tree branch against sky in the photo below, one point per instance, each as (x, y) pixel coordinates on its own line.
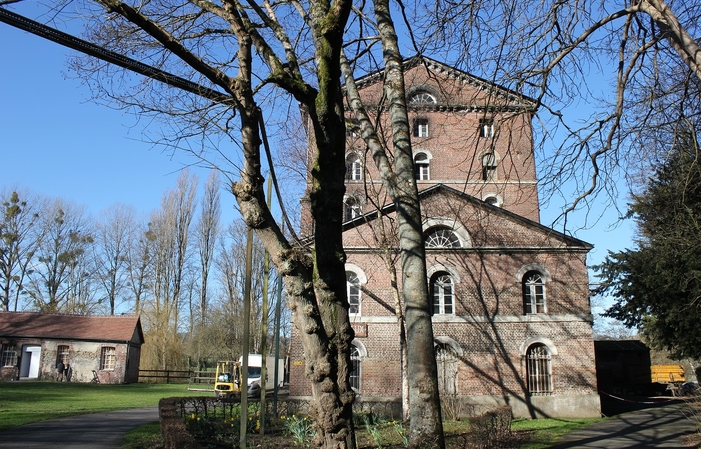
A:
(598, 70)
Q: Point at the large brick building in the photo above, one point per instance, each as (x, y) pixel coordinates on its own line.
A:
(511, 313)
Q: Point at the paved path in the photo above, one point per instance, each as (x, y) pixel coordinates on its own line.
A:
(659, 427)
(662, 427)
(93, 431)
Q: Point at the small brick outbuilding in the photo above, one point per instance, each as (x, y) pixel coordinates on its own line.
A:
(34, 344)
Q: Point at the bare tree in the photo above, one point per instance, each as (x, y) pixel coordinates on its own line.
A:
(207, 230)
(19, 240)
(291, 49)
(139, 268)
(167, 238)
(115, 232)
(61, 269)
(604, 75)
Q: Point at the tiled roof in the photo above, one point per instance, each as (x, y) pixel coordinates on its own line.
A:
(71, 327)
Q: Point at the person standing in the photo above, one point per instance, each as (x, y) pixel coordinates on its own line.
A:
(68, 372)
(60, 368)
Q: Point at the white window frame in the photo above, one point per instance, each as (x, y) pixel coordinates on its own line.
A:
(356, 368)
(62, 353)
(489, 166)
(442, 237)
(352, 208)
(487, 127)
(421, 127)
(8, 355)
(353, 292)
(354, 168)
(443, 298)
(534, 293)
(422, 97)
(108, 358)
(422, 167)
(539, 370)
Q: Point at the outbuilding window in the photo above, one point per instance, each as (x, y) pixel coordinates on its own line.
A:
(108, 358)
(8, 357)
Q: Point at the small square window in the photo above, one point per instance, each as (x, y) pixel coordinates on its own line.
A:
(486, 128)
(421, 127)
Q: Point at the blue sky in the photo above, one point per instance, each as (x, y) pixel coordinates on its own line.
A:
(57, 143)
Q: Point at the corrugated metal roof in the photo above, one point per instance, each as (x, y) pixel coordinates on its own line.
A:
(71, 327)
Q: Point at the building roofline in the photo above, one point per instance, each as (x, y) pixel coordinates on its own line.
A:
(372, 215)
(524, 101)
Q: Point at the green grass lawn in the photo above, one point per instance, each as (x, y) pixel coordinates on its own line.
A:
(27, 402)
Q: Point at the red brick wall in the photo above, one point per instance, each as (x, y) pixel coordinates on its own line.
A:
(489, 325)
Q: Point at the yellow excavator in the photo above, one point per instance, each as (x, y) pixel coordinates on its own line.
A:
(228, 380)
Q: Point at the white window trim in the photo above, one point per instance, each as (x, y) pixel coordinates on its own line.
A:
(441, 305)
(362, 280)
(458, 229)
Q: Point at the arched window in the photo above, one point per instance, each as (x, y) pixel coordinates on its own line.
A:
(447, 364)
(353, 292)
(441, 237)
(352, 208)
(354, 168)
(533, 293)
(354, 377)
(538, 370)
(421, 167)
(493, 200)
(489, 167)
(422, 97)
(442, 289)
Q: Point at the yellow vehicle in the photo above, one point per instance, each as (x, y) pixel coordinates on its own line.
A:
(228, 380)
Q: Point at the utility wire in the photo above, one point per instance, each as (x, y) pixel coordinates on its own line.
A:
(88, 48)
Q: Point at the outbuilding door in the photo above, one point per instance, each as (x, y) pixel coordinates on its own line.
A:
(31, 359)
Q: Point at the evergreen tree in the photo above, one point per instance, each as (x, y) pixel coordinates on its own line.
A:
(657, 286)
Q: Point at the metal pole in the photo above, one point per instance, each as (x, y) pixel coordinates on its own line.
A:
(246, 334)
(264, 330)
(277, 342)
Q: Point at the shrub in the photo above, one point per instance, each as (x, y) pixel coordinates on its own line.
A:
(492, 428)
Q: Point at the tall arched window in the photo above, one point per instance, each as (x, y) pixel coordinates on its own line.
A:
(354, 377)
(354, 168)
(442, 289)
(538, 370)
(441, 237)
(447, 364)
(352, 208)
(421, 167)
(353, 292)
(533, 293)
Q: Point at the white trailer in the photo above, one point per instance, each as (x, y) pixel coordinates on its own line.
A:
(255, 363)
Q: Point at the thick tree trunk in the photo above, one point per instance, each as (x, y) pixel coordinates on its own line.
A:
(316, 285)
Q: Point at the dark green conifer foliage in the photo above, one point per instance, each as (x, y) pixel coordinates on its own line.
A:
(657, 286)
